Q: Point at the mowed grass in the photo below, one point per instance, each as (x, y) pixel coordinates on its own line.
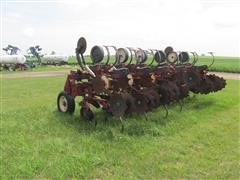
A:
(39, 142)
(41, 68)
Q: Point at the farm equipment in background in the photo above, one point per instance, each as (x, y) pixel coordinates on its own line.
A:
(11, 50)
(131, 83)
(35, 51)
(13, 60)
(52, 59)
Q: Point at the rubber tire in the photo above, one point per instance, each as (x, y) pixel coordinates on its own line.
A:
(70, 102)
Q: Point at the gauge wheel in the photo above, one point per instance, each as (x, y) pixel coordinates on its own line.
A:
(65, 103)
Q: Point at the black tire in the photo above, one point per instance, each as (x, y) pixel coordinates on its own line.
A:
(65, 103)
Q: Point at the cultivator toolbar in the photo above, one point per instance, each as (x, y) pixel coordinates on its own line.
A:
(130, 83)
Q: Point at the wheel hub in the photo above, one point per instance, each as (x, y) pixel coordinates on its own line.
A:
(63, 104)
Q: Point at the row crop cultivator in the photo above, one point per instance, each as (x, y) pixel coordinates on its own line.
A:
(130, 85)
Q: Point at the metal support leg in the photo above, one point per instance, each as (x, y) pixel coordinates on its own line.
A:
(95, 122)
(105, 116)
(180, 102)
(145, 115)
(166, 109)
(121, 120)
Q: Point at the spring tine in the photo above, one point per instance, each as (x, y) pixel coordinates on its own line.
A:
(166, 109)
(213, 59)
(122, 125)
(116, 59)
(108, 54)
(130, 50)
(196, 58)
(105, 116)
(180, 102)
(95, 122)
(145, 115)
(152, 52)
(136, 58)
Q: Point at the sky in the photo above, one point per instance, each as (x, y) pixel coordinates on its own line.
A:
(186, 25)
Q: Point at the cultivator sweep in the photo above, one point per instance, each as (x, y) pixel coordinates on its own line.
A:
(131, 83)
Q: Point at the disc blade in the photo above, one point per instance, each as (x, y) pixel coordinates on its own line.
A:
(140, 102)
(130, 102)
(183, 57)
(81, 45)
(159, 57)
(97, 54)
(172, 57)
(156, 97)
(168, 50)
(122, 55)
(192, 78)
(117, 105)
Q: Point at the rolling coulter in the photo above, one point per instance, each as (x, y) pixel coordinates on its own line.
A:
(131, 83)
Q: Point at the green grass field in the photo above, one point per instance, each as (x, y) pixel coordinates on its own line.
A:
(39, 142)
(222, 64)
